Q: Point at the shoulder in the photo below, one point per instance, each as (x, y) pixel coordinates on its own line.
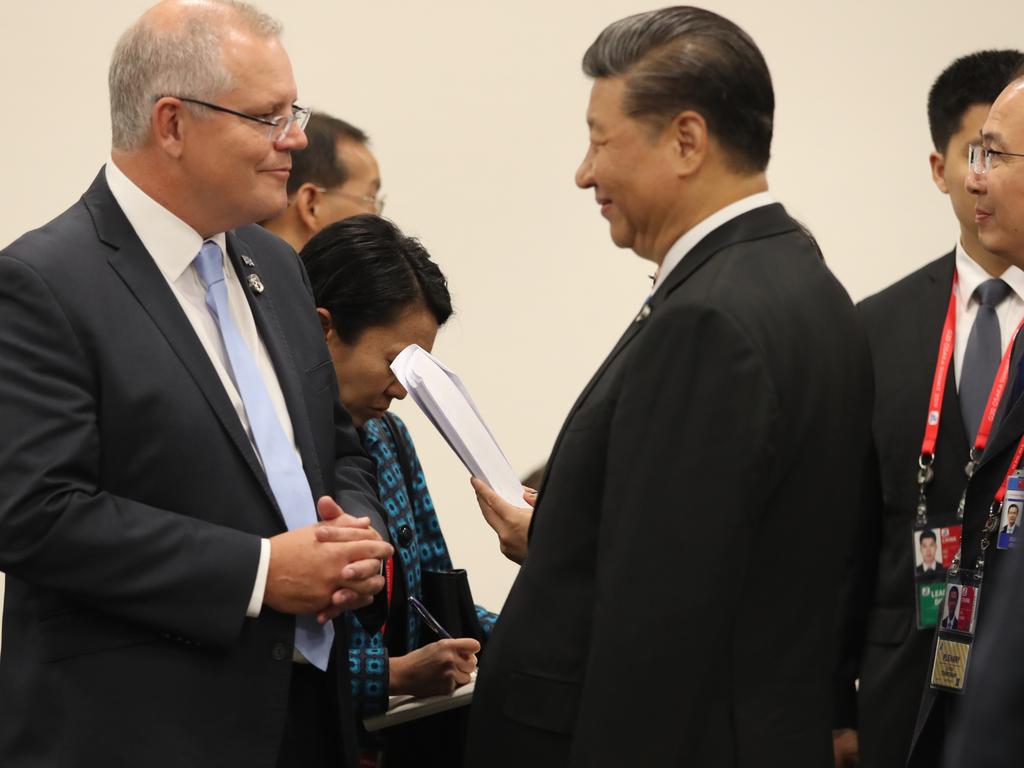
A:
(896, 296)
(58, 244)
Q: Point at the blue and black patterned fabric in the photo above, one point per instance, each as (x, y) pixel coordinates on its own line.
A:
(425, 549)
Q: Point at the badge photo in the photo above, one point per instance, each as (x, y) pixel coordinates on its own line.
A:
(1013, 504)
(934, 547)
(960, 608)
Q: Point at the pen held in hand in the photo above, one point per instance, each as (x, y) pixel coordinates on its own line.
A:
(430, 621)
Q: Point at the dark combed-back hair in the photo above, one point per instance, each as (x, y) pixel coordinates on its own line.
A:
(681, 58)
(319, 163)
(366, 273)
(974, 79)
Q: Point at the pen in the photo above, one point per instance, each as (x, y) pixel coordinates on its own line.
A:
(430, 621)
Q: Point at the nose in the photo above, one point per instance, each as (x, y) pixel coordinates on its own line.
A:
(396, 390)
(585, 173)
(294, 140)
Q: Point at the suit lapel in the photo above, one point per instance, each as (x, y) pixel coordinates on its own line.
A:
(288, 375)
(143, 278)
(761, 222)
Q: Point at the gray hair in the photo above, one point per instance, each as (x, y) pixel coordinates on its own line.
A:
(683, 58)
(151, 61)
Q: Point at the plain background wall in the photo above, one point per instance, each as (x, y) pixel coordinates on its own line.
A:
(476, 112)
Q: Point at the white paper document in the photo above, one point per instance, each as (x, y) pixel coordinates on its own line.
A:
(441, 395)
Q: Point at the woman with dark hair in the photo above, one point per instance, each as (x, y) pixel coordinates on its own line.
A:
(377, 291)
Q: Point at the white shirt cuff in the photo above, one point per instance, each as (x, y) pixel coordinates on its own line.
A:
(256, 601)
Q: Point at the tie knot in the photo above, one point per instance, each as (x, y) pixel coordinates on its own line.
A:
(210, 264)
(991, 292)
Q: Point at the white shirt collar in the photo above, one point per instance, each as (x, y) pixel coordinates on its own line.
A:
(970, 275)
(702, 229)
(171, 242)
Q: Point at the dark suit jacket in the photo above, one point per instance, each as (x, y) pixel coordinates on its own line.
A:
(880, 643)
(133, 504)
(988, 734)
(675, 605)
(939, 711)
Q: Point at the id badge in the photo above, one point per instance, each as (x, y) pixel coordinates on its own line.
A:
(1010, 519)
(955, 638)
(934, 548)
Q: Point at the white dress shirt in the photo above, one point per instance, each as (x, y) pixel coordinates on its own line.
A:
(1009, 312)
(173, 244)
(705, 227)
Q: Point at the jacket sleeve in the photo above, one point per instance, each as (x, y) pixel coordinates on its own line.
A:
(369, 667)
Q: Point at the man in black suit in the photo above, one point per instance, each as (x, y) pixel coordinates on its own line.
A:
(701, 456)
(952, 601)
(928, 545)
(881, 644)
(171, 431)
(985, 732)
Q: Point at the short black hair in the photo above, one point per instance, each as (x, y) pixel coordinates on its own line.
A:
(366, 273)
(682, 58)
(319, 162)
(977, 78)
(927, 535)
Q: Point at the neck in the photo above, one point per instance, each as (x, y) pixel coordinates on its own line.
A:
(158, 182)
(994, 265)
(710, 198)
(288, 229)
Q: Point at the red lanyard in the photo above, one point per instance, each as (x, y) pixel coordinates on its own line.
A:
(946, 344)
(1001, 493)
(389, 580)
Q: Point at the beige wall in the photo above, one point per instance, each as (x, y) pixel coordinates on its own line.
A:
(476, 111)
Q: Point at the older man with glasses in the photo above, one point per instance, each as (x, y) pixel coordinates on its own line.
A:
(984, 730)
(334, 178)
(174, 518)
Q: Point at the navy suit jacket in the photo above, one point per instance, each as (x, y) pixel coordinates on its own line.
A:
(133, 504)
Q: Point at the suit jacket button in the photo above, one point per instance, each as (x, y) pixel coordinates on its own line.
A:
(281, 651)
(405, 535)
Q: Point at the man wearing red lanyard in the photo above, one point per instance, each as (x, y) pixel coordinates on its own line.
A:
(939, 340)
(986, 732)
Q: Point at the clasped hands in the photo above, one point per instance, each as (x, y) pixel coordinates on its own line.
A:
(328, 567)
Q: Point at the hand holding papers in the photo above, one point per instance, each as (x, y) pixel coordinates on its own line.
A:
(442, 397)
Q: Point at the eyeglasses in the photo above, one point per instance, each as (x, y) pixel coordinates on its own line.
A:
(278, 127)
(377, 203)
(979, 158)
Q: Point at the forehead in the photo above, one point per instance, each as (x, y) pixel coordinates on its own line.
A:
(605, 105)
(358, 159)
(259, 66)
(1005, 121)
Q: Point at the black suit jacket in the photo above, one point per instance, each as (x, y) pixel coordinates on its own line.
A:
(880, 643)
(675, 605)
(133, 504)
(988, 734)
(941, 712)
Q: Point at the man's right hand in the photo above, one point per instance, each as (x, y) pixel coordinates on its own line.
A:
(309, 575)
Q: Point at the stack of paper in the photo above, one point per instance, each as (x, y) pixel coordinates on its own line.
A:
(445, 401)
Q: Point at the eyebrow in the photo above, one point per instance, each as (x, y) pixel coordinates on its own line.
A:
(990, 135)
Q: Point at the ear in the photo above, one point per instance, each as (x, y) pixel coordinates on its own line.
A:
(167, 126)
(326, 323)
(938, 163)
(306, 202)
(688, 142)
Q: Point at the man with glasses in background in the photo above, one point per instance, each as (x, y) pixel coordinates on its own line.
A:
(335, 177)
(890, 609)
(986, 732)
(166, 397)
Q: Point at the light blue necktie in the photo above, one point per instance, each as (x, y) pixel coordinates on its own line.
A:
(280, 461)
